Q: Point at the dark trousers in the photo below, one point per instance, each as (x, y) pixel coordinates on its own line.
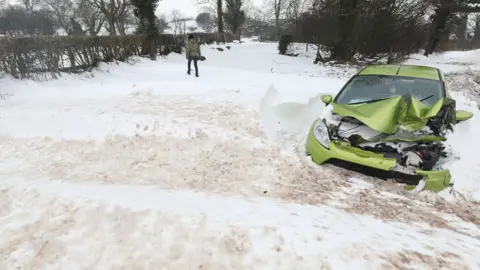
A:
(194, 59)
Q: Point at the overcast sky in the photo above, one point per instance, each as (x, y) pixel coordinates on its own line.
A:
(186, 7)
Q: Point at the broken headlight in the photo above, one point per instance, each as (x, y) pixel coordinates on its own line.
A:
(320, 131)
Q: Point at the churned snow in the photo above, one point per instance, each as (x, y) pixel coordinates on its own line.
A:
(140, 166)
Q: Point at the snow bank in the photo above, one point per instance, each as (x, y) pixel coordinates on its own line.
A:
(286, 112)
(449, 62)
(465, 163)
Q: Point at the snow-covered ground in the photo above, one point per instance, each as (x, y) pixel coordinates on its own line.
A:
(144, 167)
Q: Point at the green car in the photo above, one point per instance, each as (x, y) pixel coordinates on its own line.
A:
(388, 121)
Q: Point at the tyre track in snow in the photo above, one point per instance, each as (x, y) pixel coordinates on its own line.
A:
(80, 225)
(245, 163)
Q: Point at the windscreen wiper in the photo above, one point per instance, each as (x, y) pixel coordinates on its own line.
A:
(380, 99)
(423, 99)
(368, 101)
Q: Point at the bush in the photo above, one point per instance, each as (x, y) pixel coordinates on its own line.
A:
(23, 56)
(284, 43)
(348, 28)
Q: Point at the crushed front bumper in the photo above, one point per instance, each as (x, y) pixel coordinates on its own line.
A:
(374, 164)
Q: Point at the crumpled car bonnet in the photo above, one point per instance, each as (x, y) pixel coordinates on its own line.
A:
(386, 116)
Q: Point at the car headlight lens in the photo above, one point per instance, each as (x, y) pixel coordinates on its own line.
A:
(320, 132)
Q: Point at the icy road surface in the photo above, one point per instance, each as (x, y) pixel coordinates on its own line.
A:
(143, 167)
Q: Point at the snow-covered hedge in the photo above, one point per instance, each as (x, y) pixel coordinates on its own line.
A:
(23, 56)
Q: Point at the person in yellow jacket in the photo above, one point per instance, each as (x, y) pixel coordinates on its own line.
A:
(193, 53)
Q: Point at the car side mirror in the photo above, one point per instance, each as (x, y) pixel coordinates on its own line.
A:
(327, 99)
(462, 115)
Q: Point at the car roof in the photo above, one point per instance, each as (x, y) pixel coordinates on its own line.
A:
(412, 71)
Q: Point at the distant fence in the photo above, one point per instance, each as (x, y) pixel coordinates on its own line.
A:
(24, 56)
(209, 38)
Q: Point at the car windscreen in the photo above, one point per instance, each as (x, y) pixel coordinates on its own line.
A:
(369, 88)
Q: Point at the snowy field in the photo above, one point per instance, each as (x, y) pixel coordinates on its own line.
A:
(140, 166)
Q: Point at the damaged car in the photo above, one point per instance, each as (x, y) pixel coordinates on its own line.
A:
(390, 122)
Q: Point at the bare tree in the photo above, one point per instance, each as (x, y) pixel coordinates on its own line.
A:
(235, 16)
(262, 13)
(445, 11)
(206, 21)
(461, 24)
(274, 11)
(113, 10)
(220, 20)
(76, 28)
(248, 7)
(476, 29)
(162, 23)
(125, 19)
(347, 15)
(278, 8)
(256, 24)
(294, 9)
(179, 22)
(215, 7)
(62, 10)
(176, 19)
(90, 16)
(31, 5)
